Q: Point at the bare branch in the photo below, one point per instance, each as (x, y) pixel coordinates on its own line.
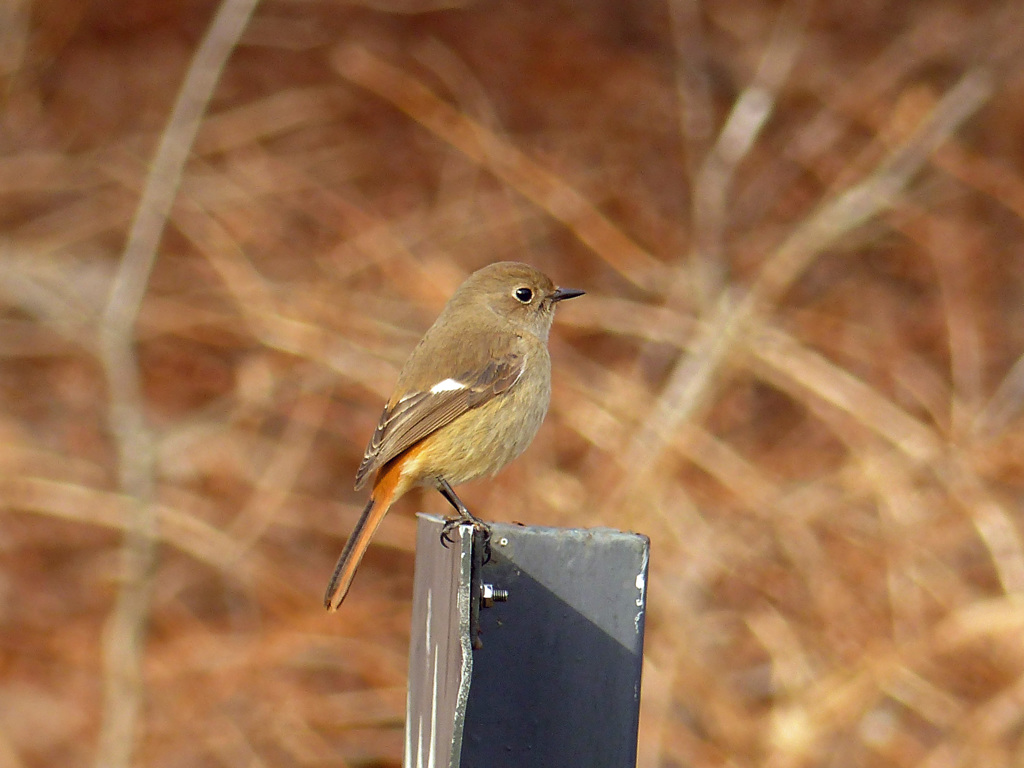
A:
(713, 180)
(124, 637)
(506, 162)
(691, 383)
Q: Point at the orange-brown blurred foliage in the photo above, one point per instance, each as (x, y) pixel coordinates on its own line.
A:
(798, 366)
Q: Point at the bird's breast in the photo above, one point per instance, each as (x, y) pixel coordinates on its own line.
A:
(483, 440)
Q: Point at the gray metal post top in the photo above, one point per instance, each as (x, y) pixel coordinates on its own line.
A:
(556, 679)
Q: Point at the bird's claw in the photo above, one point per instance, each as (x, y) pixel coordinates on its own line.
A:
(451, 523)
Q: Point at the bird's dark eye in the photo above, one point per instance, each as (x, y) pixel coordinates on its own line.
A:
(524, 295)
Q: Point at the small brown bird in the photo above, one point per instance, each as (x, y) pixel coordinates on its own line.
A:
(469, 399)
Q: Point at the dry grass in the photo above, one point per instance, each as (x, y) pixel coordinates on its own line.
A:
(798, 367)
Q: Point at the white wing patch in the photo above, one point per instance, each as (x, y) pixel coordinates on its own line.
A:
(448, 385)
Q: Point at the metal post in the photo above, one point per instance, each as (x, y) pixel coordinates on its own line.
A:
(556, 679)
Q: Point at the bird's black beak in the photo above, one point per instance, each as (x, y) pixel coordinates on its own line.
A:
(566, 293)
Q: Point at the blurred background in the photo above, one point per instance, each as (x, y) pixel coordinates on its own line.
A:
(798, 367)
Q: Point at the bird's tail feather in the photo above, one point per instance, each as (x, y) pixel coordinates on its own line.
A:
(353, 553)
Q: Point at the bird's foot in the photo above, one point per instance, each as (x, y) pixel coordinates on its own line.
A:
(465, 517)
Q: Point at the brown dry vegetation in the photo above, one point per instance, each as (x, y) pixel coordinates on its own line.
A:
(798, 367)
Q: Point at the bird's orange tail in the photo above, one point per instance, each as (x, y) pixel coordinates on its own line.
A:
(384, 494)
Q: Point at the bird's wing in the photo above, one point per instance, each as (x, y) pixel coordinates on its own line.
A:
(419, 413)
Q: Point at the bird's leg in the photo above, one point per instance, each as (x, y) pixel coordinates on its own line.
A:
(464, 516)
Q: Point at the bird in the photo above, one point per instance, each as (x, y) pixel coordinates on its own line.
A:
(469, 399)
